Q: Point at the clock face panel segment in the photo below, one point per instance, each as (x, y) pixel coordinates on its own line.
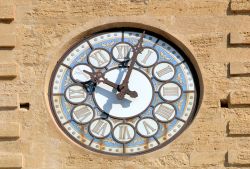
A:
(78, 75)
(105, 96)
(122, 52)
(92, 115)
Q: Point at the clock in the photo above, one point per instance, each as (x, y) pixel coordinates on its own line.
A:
(123, 92)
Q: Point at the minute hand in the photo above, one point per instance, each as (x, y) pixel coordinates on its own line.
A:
(136, 50)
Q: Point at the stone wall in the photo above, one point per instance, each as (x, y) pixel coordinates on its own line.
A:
(218, 31)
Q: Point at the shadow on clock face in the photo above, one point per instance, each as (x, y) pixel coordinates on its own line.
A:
(105, 95)
(111, 95)
(111, 99)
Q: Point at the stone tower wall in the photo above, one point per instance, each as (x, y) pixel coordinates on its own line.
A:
(33, 34)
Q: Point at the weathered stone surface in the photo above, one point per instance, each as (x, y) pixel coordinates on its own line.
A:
(240, 157)
(7, 12)
(239, 98)
(7, 29)
(7, 41)
(206, 158)
(9, 130)
(8, 70)
(239, 68)
(242, 143)
(9, 100)
(6, 56)
(239, 127)
(240, 5)
(13, 161)
(240, 38)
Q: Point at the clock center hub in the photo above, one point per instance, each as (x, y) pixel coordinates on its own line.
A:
(106, 100)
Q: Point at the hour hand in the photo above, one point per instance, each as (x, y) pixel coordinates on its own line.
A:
(98, 77)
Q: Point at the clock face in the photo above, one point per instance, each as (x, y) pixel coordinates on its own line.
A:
(159, 102)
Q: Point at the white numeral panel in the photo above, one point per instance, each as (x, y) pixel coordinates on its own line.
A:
(163, 71)
(100, 128)
(83, 114)
(78, 74)
(147, 127)
(122, 52)
(99, 58)
(170, 92)
(75, 94)
(147, 58)
(164, 112)
(124, 133)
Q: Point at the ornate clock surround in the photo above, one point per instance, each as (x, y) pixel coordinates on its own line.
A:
(108, 24)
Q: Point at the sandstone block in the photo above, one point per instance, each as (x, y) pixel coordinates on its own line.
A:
(240, 5)
(7, 41)
(8, 70)
(206, 158)
(243, 143)
(7, 12)
(241, 157)
(239, 127)
(6, 3)
(7, 29)
(239, 68)
(9, 100)
(11, 161)
(9, 130)
(240, 38)
(239, 98)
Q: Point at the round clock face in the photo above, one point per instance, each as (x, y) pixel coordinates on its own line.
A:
(123, 92)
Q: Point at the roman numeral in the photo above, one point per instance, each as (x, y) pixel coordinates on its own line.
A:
(147, 56)
(100, 128)
(164, 71)
(124, 133)
(164, 112)
(123, 51)
(148, 128)
(76, 93)
(171, 91)
(82, 113)
(99, 57)
(79, 71)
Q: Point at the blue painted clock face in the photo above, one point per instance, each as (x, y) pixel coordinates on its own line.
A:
(92, 115)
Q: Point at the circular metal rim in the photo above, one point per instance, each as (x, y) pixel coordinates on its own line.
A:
(137, 62)
(137, 131)
(110, 58)
(79, 103)
(175, 113)
(94, 99)
(153, 74)
(187, 123)
(72, 117)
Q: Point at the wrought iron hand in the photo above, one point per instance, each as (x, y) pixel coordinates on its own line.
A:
(124, 86)
(98, 77)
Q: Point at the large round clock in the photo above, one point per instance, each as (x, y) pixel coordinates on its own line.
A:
(123, 92)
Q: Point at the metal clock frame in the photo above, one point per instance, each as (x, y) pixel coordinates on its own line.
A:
(186, 123)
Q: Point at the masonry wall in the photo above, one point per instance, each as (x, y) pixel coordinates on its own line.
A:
(218, 32)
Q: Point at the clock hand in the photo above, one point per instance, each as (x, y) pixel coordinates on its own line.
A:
(124, 86)
(98, 77)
